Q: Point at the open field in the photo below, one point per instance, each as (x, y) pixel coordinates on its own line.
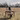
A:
(16, 10)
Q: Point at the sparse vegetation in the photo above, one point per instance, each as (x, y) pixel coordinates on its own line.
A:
(17, 19)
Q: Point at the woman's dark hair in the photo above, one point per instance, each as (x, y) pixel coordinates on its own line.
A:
(9, 8)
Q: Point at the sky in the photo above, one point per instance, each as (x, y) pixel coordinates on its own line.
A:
(9, 2)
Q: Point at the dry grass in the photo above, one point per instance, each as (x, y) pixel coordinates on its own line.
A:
(17, 13)
(17, 16)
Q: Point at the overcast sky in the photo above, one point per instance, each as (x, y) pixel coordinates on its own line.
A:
(9, 1)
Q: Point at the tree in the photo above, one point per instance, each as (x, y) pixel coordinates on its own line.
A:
(4, 5)
(16, 5)
(11, 5)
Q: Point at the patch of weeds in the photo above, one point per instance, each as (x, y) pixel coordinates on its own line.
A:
(17, 19)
